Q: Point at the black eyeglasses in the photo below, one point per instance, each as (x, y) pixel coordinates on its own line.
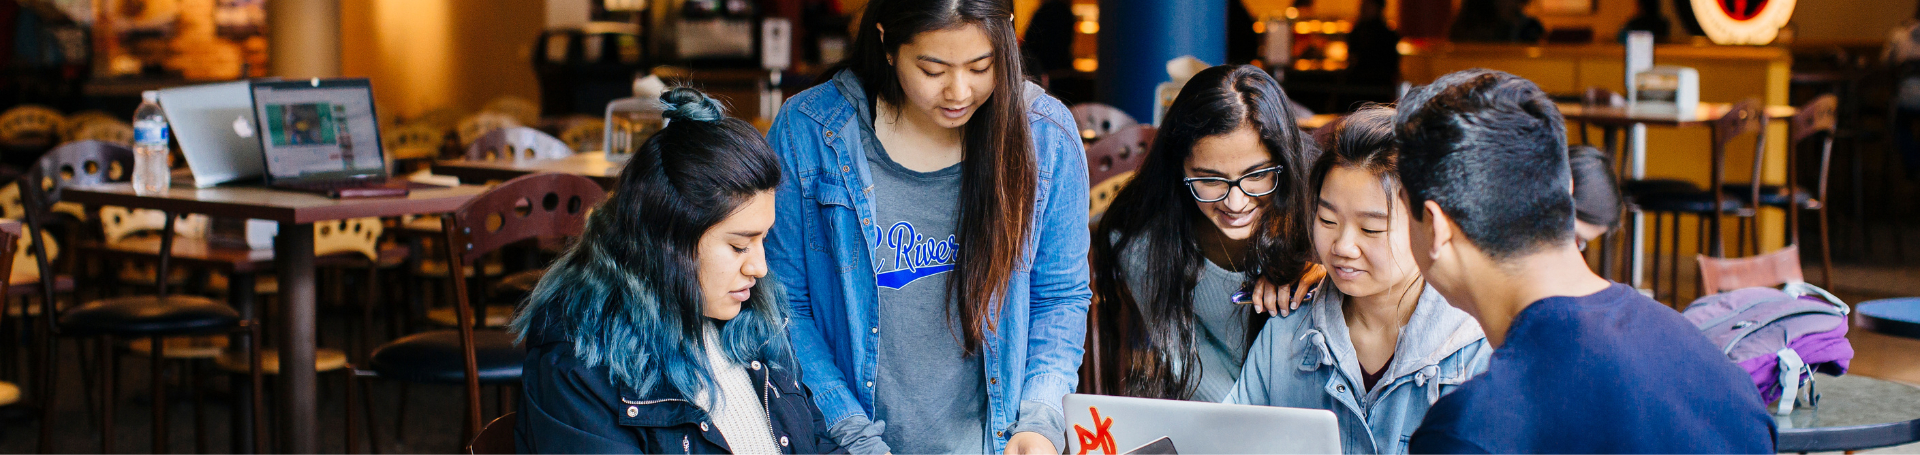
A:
(1255, 184)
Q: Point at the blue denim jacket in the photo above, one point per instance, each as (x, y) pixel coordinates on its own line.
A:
(820, 242)
(1307, 360)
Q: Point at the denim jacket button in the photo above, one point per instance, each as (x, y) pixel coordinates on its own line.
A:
(1340, 388)
(783, 441)
(829, 134)
(755, 365)
(703, 426)
(869, 384)
(633, 411)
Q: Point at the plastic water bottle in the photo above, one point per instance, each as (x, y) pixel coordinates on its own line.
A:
(152, 160)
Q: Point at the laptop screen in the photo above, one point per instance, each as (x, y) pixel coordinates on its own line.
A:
(318, 129)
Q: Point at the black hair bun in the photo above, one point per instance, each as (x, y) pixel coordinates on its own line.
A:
(689, 104)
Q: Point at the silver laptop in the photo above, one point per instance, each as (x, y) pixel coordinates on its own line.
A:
(214, 124)
(1115, 425)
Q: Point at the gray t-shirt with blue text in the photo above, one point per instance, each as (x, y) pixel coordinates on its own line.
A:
(930, 393)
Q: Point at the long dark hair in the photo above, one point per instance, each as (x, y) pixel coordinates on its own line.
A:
(1157, 212)
(998, 174)
(628, 293)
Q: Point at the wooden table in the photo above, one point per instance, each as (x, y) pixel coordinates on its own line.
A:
(1613, 118)
(595, 165)
(293, 258)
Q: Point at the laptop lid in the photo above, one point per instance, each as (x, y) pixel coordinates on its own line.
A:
(214, 124)
(1105, 424)
(318, 130)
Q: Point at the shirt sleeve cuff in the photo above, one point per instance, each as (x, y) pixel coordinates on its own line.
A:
(1037, 417)
(860, 435)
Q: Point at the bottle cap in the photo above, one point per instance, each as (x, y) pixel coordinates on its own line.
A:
(151, 96)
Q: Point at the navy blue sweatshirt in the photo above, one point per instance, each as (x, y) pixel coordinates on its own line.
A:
(1612, 372)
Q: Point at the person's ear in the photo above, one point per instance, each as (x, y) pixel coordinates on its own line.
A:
(1442, 226)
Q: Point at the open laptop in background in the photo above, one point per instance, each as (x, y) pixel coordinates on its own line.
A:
(1114, 425)
(214, 124)
(321, 136)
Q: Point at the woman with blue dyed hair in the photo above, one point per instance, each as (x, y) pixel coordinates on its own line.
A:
(659, 331)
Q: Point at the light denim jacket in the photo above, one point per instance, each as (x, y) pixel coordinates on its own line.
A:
(1307, 360)
(820, 243)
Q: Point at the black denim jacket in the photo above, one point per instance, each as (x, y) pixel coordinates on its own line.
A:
(566, 407)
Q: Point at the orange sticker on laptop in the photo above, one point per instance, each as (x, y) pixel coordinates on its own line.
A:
(1101, 438)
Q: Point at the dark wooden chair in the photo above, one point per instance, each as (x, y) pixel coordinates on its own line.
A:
(1709, 206)
(496, 438)
(9, 234)
(1096, 121)
(528, 207)
(1812, 125)
(146, 316)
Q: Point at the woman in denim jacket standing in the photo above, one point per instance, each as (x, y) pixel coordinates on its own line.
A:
(1384, 346)
(933, 237)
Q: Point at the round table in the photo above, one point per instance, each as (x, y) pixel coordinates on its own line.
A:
(1855, 413)
(1897, 317)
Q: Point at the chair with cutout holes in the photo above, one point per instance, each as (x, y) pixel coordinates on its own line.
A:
(517, 144)
(414, 143)
(26, 130)
(9, 237)
(530, 207)
(476, 125)
(1095, 121)
(117, 132)
(1708, 207)
(585, 135)
(70, 128)
(1118, 153)
(150, 316)
(522, 110)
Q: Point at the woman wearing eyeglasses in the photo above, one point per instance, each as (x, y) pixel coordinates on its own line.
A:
(1174, 252)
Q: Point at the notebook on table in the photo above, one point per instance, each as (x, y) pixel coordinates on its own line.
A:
(321, 136)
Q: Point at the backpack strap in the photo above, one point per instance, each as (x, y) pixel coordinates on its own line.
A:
(1802, 288)
(1791, 367)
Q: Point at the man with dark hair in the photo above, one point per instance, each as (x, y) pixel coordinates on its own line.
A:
(1581, 364)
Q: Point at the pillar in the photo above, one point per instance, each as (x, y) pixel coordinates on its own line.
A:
(1137, 37)
(303, 38)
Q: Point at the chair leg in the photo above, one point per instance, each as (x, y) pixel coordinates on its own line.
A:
(199, 407)
(1653, 255)
(1673, 264)
(366, 401)
(1826, 252)
(159, 390)
(48, 392)
(111, 363)
(353, 423)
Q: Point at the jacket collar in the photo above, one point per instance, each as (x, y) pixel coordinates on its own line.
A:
(1435, 331)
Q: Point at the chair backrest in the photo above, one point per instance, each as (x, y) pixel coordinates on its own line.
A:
(522, 110)
(74, 163)
(1097, 120)
(1771, 269)
(1119, 153)
(516, 144)
(1101, 196)
(118, 223)
(115, 131)
(585, 135)
(30, 124)
(472, 127)
(355, 235)
(1745, 117)
(546, 205)
(1815, 120)
(414, 141)
(80, 120)
(497, 438)
(10, 235)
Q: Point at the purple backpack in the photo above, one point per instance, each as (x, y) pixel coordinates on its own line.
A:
(1781, 337)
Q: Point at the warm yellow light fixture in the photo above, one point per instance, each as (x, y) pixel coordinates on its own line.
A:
(1089, 27)
(1086, 65)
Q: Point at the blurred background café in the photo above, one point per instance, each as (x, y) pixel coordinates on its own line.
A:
(1737, 129)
